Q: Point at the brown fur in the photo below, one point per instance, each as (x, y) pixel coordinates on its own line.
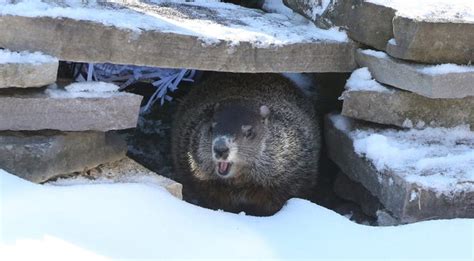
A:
(281, 163)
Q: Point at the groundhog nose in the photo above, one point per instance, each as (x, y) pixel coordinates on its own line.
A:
(221, 151)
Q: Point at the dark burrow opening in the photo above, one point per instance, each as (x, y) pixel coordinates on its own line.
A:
(150, 144)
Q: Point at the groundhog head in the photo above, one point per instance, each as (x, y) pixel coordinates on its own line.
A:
(237, 134)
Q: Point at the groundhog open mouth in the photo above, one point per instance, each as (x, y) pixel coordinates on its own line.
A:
(223, 167)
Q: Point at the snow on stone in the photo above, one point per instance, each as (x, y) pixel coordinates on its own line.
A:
(361, 80)
(84, 90)
(140, 221)
(314, 8)
(209, 21)
(446, 68)
(438, 158)
(374, 53)
(426, 69)
(455, 11)
(7, 56)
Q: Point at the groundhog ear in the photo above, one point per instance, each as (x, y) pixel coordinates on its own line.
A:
(264, 111)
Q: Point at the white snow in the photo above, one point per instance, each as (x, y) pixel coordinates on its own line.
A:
(455, 11)
(447, 68)
(138, 221)
(314, 10)
(361, 80)
(378, 54)
(7, 56)
(84, 90)
(211, 22)
(441, 159)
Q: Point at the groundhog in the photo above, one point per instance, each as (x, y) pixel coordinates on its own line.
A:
(246, 142)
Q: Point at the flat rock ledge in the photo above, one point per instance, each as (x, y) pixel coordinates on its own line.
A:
(193, 36)
(366, 22)
(432, 42)
(410, 194)
(408, 110)
(26, 70)
(39, 156)
(58, 109)
(433, 81)
(124, 170)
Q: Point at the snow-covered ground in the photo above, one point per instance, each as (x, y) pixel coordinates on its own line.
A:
(142, 221)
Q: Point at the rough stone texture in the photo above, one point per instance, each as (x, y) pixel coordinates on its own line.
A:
(432, 42)
(406, 109)
(39, 156)
(86, 41)
(125, 170)
(366, 22)
(393, 191)
(28, 74)
(35, 110)
(355, 192)
(410, 77)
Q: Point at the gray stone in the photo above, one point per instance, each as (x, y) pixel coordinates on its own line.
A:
(386, 219)
(406, 109)
(179, 47)
(125, 170)
(37, 110)
(355, 192)
(432, 42)
(417, 77)
(365, 22)
(39, 156)
(407, 200)
(33, 70)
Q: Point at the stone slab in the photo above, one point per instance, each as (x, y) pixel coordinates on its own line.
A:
(408, 110)
(366, 22)
(407, 194)
(440, 81)
(353, 191)
(431, 41)
(60, 110)
(124, 170)
(39, 156)
(25, 69)
(193, 36)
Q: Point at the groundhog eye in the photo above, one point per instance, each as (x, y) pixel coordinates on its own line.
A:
(247, 131)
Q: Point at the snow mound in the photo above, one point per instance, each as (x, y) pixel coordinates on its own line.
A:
(361, 80)
(138, 221)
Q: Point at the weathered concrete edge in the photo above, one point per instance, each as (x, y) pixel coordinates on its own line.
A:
(32, 75)
(405, 76)
(159, 49)
(108, 118)
(413, 107)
